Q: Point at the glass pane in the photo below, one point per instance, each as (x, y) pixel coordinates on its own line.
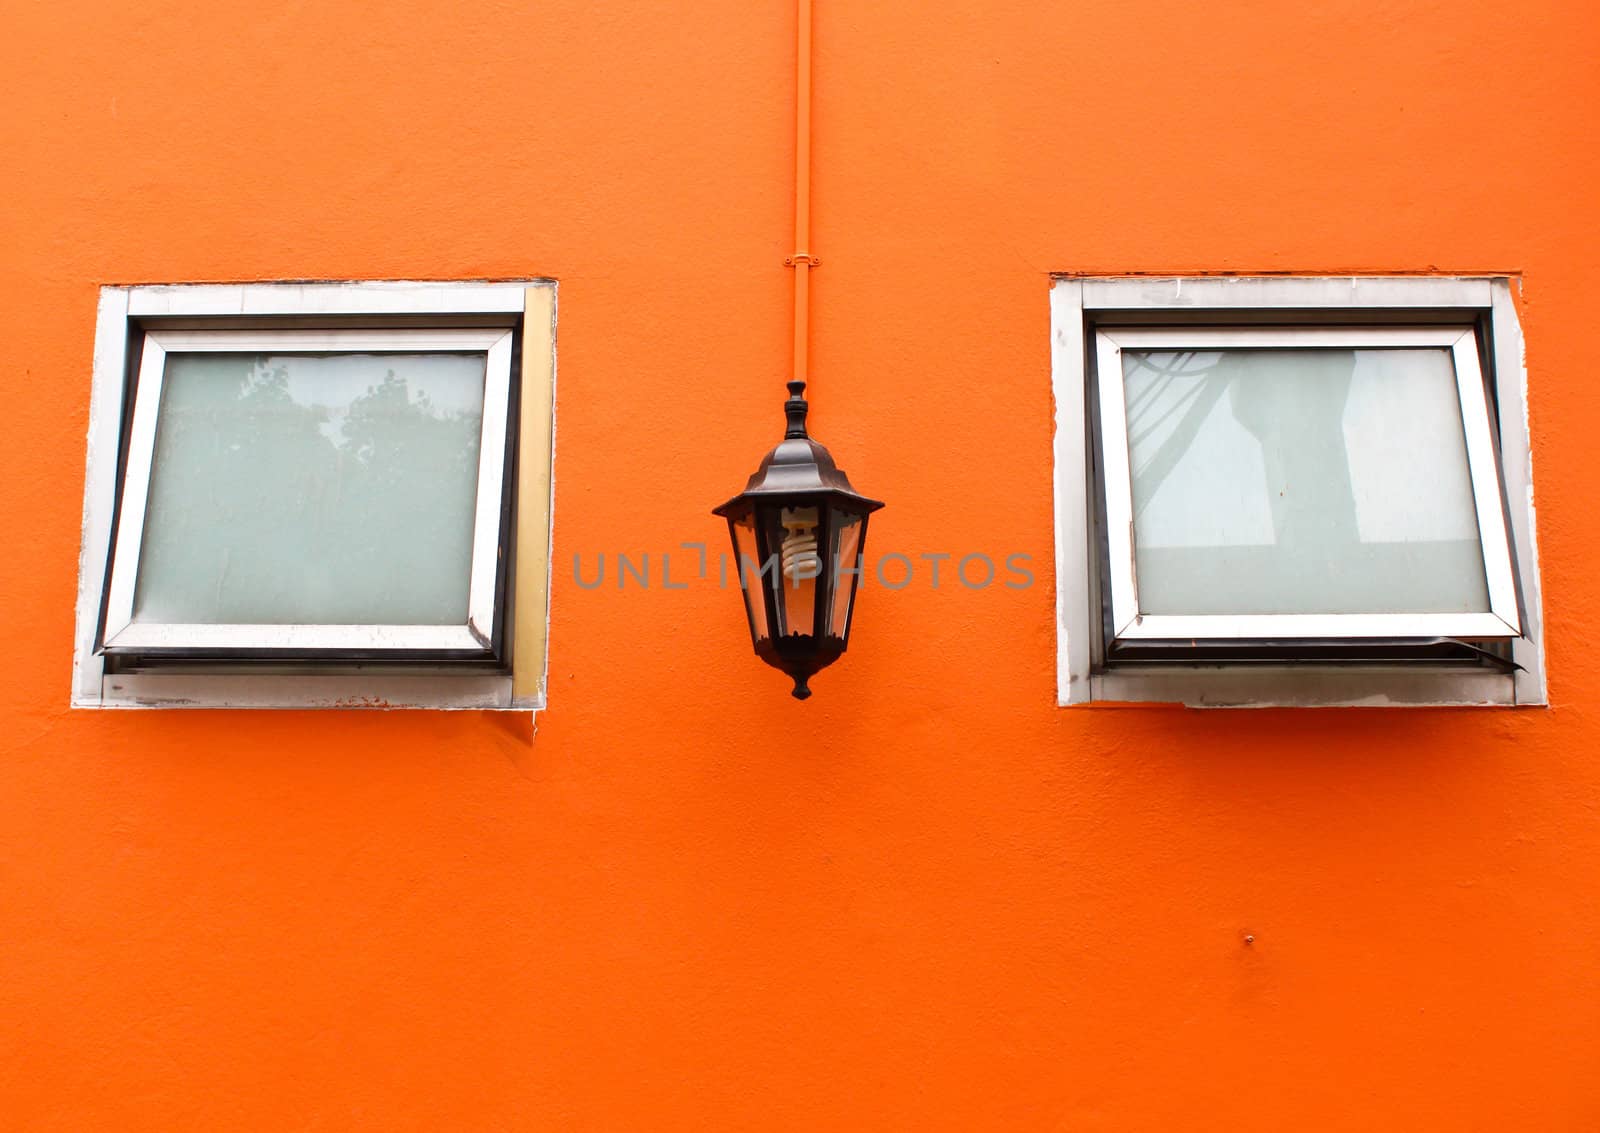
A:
(315, 489)
(1314, 481)
(749, 566)
(846, 557)
(793, 531)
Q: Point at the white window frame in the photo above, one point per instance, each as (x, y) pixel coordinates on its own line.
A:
(382, 317)
(1499, 622)
(1200, 310)
(123, 634)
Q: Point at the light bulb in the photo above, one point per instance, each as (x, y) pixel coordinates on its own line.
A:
(798, 558)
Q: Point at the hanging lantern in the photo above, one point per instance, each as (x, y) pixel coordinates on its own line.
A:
(799, 533)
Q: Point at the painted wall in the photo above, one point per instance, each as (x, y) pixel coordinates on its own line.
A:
(928, 898)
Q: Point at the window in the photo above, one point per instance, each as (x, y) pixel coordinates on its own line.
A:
(1294, 491)
(318, 495)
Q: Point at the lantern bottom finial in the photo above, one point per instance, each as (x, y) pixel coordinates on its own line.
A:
(801, 691)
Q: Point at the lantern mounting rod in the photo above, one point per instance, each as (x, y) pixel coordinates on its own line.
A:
(802, 260)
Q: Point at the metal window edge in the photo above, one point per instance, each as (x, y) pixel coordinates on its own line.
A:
(1303, 686)
(1244, 292)
(331, 297)
(1516, 469)
(323, 692)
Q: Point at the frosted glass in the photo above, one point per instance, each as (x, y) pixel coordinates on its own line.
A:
(313, 489)
(1307, 481)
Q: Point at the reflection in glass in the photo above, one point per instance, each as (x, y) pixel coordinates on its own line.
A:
(846, 558)
(312, 489)
(1305, 481)
(749, 566)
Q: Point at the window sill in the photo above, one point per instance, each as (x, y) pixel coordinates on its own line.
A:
(466, 691)
(1303, 686)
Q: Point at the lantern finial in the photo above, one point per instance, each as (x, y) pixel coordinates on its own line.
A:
(796, 408)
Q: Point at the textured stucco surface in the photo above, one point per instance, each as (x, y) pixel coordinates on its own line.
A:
(927, 898)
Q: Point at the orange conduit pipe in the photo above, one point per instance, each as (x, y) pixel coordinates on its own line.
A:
(802, 261)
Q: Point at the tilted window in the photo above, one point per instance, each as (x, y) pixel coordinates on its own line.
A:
(316, 496)
(1293, 491)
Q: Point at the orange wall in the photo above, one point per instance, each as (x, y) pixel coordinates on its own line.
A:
(928, 898)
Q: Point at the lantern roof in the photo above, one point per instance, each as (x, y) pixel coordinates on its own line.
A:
(798, 465)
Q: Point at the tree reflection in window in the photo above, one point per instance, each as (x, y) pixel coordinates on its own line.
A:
(333, 489)
(1300, 481)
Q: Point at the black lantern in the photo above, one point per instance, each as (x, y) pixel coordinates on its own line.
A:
(799, 532)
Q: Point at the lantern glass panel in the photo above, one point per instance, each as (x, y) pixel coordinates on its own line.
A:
(747, 553)
(845, 558)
